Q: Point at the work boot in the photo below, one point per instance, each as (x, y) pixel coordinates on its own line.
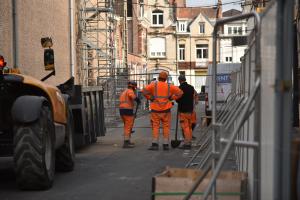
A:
(127, 144)
(193, 126)
(132, 143)
(186, 147)
(166, 147)
(153, 147)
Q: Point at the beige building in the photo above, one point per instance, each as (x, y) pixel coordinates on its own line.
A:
(194, 43)
(173, 39)
(36, 19)
(161, 43)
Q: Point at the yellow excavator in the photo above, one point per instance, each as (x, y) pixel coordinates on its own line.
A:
(37, 124)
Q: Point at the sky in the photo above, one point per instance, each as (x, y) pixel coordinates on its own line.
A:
(214, 2)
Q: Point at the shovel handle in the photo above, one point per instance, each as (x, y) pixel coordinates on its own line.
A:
(136, 109)
(176, 127)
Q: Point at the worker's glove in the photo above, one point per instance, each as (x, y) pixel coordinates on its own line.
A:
(138, 101)
(170, 98)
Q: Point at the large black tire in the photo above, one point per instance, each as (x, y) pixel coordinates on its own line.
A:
(65, 155)
(34, 153)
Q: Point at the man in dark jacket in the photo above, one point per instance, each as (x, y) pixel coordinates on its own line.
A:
(185, 110)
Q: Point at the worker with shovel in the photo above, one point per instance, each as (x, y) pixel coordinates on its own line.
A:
(161, 93)
(185, 111)
(127, 99)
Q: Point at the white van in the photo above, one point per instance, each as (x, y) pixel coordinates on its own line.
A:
(224, 83)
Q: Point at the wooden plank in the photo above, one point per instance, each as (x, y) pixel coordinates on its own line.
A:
(174, 183)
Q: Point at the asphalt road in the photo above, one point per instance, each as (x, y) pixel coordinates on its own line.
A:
(103, 170)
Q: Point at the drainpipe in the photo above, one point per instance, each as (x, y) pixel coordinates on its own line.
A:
(190, 59)
(71, 31)
(15, 34)
(177, 49)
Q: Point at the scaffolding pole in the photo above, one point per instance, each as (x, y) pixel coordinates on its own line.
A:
(96, 21)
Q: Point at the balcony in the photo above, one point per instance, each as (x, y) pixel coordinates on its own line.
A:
(203, 63)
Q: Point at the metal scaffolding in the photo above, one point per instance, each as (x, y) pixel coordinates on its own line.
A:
(96, 24)
(97, 49)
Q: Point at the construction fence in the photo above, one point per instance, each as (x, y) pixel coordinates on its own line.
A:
(251, 132)
(231, 141)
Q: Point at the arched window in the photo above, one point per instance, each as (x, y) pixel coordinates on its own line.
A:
(157, 47)
(157, 18)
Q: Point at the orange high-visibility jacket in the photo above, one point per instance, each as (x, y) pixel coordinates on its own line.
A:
(126, 99)
(160, 93)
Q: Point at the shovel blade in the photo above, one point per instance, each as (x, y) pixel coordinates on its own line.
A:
(175, 143)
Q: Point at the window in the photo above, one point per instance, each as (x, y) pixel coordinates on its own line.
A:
(229, 30)
(235, 30)
(201, 51)
(157, 18)
(157, 47)
(129, 8)
(202, 27)
(181, 52)
(142, 10)
(228, 59)
(240, 30)
(182, 73)
(181, 26)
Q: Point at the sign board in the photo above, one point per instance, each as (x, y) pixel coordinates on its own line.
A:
(223, 78)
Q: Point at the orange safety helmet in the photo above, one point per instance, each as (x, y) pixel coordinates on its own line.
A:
(163, 75)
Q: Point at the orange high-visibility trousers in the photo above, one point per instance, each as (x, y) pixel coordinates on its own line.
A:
(186, 125)
(165, 119)
(128, 121)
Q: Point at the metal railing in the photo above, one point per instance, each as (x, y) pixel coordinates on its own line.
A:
(229, 135)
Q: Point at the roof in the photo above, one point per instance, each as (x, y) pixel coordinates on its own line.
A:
(231, 12)
(193, 12)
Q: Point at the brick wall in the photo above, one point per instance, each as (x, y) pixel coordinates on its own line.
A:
(37, 19)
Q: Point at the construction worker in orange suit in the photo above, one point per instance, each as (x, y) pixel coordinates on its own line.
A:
(185, 111)
(127, 99)
(160, 93)
(194, 116)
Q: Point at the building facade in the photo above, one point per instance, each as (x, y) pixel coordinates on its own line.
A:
(233, 45)
(161, 43)
(172, 37)
(194, 27)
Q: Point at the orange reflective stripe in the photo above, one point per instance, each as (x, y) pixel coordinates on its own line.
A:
(160, 103)
(160, 97)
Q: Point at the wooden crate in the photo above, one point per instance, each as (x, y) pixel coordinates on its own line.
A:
(174, 183)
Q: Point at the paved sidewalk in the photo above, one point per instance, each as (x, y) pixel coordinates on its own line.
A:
(104, 171)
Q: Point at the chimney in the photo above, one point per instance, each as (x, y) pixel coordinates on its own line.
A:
(180, 3)
(219, 9)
